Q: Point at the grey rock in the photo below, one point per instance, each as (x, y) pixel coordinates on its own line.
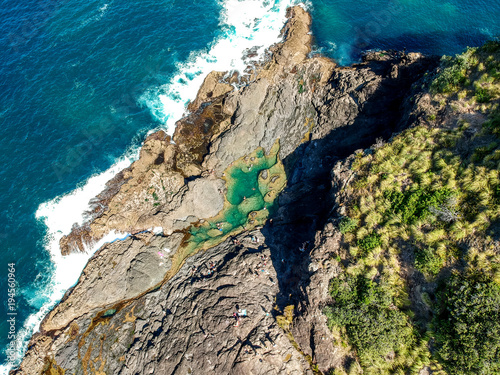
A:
(119, 271)
(187, 325)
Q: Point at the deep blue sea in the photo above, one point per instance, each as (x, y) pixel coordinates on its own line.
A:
(82, 83)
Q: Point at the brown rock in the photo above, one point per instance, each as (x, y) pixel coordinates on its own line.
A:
(211, 89)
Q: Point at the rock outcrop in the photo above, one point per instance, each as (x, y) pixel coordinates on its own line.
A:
(156, 333)
(129, 314)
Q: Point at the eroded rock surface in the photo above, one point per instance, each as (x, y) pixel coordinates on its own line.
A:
(185, 326)
(119, 271)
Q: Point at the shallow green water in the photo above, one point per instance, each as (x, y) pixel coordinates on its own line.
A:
(253, 183)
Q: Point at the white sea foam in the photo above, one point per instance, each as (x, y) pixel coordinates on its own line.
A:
(247, 25)
(67, 270)
(59, 215)
(156, 230)
(62, 212)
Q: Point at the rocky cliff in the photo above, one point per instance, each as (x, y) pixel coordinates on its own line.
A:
(243, 196)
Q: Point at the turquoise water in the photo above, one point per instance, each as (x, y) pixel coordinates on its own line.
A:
(343, 28)
(82, 83)
(247, 191)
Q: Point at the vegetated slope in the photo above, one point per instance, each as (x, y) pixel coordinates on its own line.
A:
(420, 258)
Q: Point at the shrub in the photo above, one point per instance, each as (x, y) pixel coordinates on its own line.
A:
(428, 262)
(370, 242)
(491, 46)
(373, 326)
(413, 205)
(493, 124)
(468, 325)
(436, 189)
(347, 225)
(453, 76)
(482, 95)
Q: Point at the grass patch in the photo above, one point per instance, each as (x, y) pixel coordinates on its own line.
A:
(421, 186)
(428, 261)
(347, 225)
(476, 69)
(483, 95)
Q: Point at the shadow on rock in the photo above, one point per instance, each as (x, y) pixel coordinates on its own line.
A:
(306, 202)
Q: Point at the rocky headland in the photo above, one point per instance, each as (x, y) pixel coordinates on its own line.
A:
(248, 197)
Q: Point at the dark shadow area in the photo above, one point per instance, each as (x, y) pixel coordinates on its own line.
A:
(494, 230)
(306, 202)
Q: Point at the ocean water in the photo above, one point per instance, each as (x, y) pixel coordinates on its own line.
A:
(82, 83)
(343, 29)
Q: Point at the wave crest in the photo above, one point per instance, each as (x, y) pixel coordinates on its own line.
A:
(246, 25)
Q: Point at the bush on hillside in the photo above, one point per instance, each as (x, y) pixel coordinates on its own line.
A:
(373, 325)
(468, 324)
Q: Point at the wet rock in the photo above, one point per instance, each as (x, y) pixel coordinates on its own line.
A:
(212, 88)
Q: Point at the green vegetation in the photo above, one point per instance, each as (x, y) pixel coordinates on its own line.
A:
(301, 86)
(482, 95)
(420, 188)
(347, 225)
(428, 261)
(414, 205)
(468, 324)
(477, 71)
(370, 242)
(455, 72)
(381, 334)
(427, 202)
